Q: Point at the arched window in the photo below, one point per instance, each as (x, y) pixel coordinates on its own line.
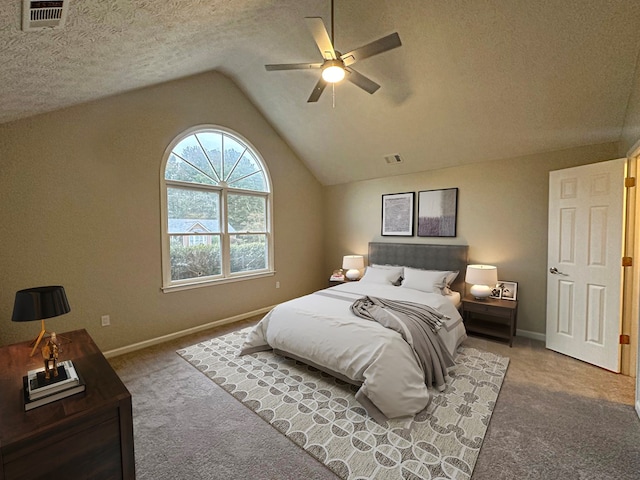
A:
(216, 210)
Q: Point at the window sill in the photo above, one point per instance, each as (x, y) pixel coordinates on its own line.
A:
(209, 283)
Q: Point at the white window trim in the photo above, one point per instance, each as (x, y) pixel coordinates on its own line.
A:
(169, 285)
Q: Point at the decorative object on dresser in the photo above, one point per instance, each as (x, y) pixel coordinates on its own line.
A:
(353, 264)
(397, 214)
(37, 304)
(482, 278)
(437, 212)
(39, 390)
(508, 290)
(80, 436)
(337, 275)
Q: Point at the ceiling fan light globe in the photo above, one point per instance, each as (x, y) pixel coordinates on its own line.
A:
(333, 74)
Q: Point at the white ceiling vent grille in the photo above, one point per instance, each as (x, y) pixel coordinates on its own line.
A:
(393, 159)
(43, 14)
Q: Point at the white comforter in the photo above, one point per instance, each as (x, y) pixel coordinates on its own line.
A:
(320, 330)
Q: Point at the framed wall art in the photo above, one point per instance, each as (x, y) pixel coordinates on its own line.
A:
(397, 214)
(437, 212)
(509, 290)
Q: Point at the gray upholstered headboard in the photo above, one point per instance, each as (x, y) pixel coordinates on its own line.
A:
(425, 256)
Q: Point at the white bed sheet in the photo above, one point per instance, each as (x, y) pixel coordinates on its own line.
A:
(321, 330)
(454, 298)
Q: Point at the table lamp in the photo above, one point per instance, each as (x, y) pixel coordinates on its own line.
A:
(483, 279)
(353, 264)
(37, 304)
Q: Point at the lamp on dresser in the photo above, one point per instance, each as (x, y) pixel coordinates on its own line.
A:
(482, 279)
(353, 264)
(39, 303)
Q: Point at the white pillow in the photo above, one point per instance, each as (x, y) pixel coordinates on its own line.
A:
(392, 267)
(430, 281)
(385, 275)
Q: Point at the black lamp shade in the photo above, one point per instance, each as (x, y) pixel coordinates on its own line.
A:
(39, 303)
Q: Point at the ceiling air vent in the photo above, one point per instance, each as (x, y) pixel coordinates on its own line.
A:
(393, 159)
(44, 14)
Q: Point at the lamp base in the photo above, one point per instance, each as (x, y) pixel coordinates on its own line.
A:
(480, 292)
(353, 274)
(43, 332)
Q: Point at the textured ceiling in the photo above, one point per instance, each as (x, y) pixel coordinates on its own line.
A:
(474, 80)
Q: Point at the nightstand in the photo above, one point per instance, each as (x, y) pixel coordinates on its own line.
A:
(493, 317)
(87, 435)
(333, 283)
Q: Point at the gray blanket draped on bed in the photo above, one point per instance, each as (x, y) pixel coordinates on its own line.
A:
(418, 324)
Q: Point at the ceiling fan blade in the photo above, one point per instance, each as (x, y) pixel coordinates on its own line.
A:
(292, 66)
(320, 35)
(361, 81)
(378, 46)
(317, 91)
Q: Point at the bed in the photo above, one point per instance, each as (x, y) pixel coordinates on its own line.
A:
(322, 330)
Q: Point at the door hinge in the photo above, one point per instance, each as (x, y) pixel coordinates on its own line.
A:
(627, 261)
(625, 340)
(630, 182)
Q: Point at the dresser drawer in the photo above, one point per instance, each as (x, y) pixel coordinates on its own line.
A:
(492, 310)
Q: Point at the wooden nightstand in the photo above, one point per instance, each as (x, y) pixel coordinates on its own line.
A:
(493, 317)
(333, 283)
(87, 435)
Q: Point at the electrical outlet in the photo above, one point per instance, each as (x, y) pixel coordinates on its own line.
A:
(106, 320)
(277, 284)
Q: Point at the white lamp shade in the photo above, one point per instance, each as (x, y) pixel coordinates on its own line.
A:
(483, 278)
(353, 264)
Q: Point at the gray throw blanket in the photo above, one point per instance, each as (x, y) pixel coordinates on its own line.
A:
(418, 324)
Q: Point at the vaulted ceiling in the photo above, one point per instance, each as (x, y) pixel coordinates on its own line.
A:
(474, 80)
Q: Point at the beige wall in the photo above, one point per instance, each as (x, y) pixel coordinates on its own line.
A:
(502, 216)
(80, 197)
(631, 130)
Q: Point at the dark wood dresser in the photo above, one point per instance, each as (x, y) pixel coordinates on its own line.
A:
(85, 436)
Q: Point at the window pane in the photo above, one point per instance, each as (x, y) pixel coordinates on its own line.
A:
(194, 261)
(248, 252)
(248, 174)
(247, 213)
(212, 143)
(190, 150)
(177, 169)
(232, 152)
(193, 211)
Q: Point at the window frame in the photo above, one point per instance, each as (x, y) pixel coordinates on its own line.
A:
(169, 285)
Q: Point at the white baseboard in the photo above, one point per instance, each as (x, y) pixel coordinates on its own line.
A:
(638, 407)
(172, 336)
(533, 335)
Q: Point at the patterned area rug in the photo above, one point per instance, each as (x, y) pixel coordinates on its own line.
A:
(319, 412)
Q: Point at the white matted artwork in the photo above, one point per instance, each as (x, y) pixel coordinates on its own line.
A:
(437, 211)
(397, 214)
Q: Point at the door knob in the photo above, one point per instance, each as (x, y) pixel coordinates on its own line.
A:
(555, 271)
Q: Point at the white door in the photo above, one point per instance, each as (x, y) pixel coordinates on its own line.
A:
(584, 268)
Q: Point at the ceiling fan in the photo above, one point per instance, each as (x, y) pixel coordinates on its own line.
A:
(337, 66)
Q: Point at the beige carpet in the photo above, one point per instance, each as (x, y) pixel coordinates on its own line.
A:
(321, 415)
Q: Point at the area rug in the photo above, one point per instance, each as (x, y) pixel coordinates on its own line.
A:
(320, 414)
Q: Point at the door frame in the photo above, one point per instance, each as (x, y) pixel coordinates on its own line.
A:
(631, 303)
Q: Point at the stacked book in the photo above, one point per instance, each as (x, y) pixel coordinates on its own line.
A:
(39, 390)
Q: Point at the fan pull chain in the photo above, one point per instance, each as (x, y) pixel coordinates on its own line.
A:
(333, 94)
